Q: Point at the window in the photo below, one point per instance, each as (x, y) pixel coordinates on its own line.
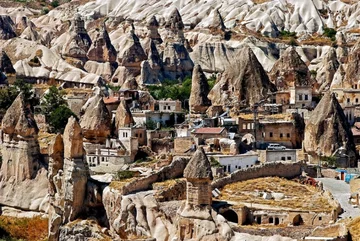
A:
(348, 100)
(281, 135)
(244, 126)
(300, 97)
(140, 135)
(247, 165)
(289, 158)
(356, 100)
(136, 135)
(288, 135)
(271, 134)
(306, 97)
(236, 167)
(263, 134)
(164, 107)
(283, 158)
(168, 107)
(271, 220)
(320, 218)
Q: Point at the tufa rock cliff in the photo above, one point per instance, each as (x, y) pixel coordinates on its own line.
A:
(290, 71)
(101, 49)
(244, 82)
(199, 101)
(95, 121)
(328, 129)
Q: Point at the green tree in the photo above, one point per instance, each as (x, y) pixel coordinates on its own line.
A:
(59, 118)
(53, 99)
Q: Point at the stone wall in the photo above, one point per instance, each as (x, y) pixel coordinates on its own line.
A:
(279, 169)
(182, 144)
(174, 170)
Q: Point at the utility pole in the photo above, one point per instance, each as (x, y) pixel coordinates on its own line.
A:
(255, 115)
(318, 174)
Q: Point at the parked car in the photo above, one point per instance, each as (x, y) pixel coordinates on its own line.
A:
(275, 146)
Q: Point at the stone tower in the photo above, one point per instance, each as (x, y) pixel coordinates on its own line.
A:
(198, 178)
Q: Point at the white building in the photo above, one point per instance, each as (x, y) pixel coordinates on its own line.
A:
(280, 155)
(233, 163)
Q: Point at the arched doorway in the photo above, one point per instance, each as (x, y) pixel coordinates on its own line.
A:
(231, 216)
(297, 221)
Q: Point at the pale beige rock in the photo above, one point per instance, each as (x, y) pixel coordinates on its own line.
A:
(245, 82)
(328, 130)
(101, 49)
(152, 26)
(73, 139)
(327, 70)
(18, 119)
(123, 117)
(290, 71)
(77, 42)
(199, 101)
(95, 121)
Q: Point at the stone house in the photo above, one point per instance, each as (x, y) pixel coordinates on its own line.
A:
(231, 163)
(280, 155)
(283, 131)
(169, 105)
(301, 97)
(210, 132)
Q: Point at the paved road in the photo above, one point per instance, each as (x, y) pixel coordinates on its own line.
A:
(341, 191)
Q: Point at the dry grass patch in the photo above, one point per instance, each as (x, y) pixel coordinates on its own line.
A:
(354, 228)
(29, 229)
(296, 196)
(260, 1)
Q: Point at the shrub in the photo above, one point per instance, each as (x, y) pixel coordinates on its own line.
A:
(122, 175)
(292, 42)
(214, 162)
(54, 4)
(330, 33)
(287, 34)
(45, 11)
(59, 118)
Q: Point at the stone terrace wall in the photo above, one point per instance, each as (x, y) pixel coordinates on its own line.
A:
(174, 170)
(279, 169)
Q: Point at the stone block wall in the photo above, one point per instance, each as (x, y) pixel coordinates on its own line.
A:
(279, 169)
(182, 144)
(198, 192)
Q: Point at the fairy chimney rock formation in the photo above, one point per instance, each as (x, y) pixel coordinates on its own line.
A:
(199, 101)
(18, 120)
(176, 25)
(101, 49)
(123, 116)
(131, 53)
(244, 82)
(76, 171)
(96, 120)
(217, 21)
(198, 176)
(153, 26)
(73, 139)
(7, 27)
(5, 63)
(353, 67)
(328, 129)
(326, 72)
(78, 42)
(20, 149)
(290, 71)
